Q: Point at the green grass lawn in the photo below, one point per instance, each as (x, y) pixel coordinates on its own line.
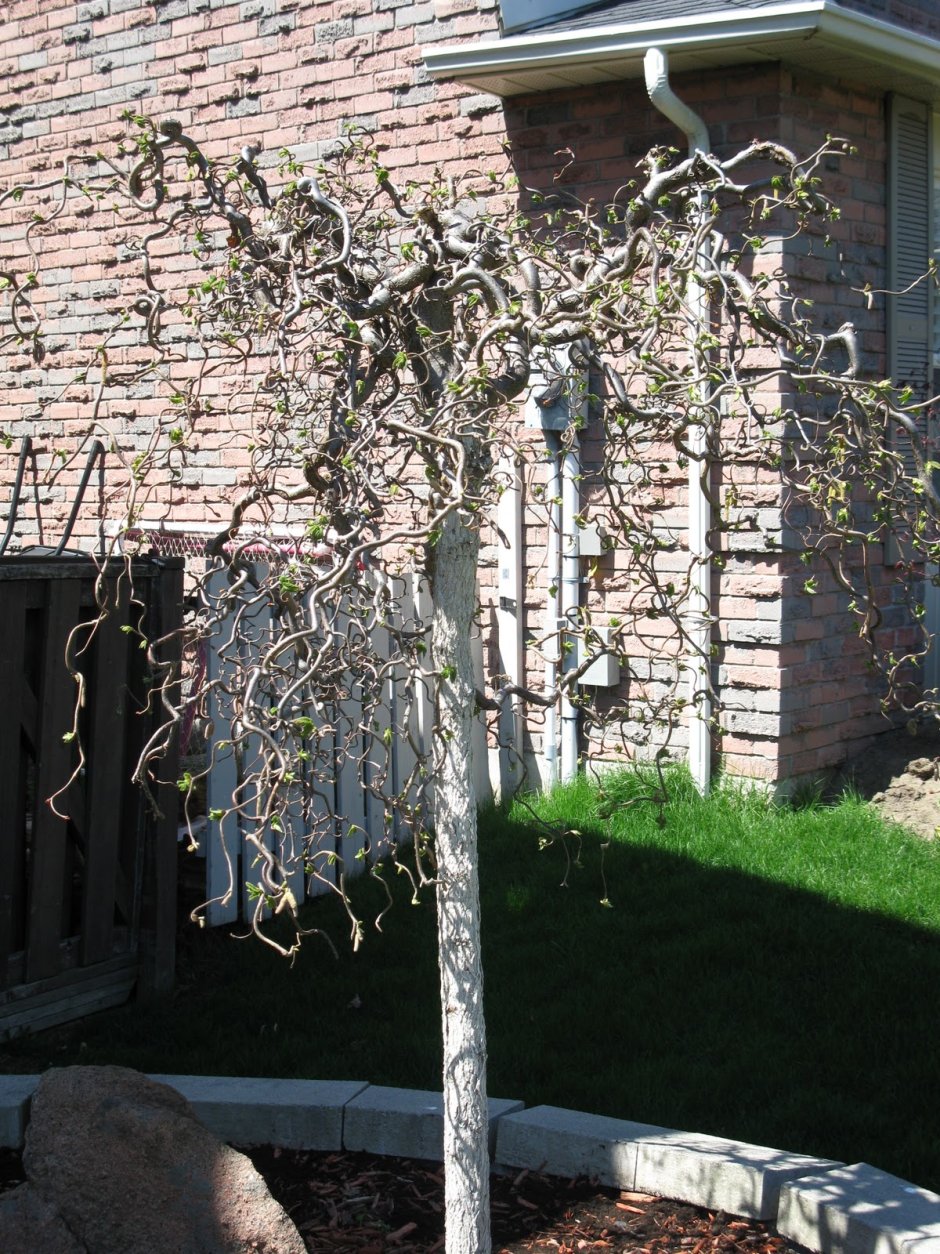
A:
(761, 972)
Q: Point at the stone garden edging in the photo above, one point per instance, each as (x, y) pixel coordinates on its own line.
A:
(826, 1206)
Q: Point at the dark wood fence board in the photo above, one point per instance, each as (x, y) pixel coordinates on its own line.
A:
(83, 913)
(48, 860)
(125, 947)
(80, 568)
(12, 772)
(158, 920)
(108, 715)
(74, 993)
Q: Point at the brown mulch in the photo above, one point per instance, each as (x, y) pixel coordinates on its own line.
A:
(361, 1204)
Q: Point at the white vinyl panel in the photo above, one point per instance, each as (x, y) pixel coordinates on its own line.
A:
(223, 838)
(423, 704)
(320, 812)
(379, 773)
(291, 841)
(349, 751)
(254, 638)
(480, 743)
(402, 704)
(509, 624)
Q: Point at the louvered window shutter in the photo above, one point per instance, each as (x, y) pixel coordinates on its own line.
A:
(910, 247)
(910, 313)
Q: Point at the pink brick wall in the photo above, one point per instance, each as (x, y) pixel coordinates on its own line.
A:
(280, 73)
(789, 668)
(290, 73)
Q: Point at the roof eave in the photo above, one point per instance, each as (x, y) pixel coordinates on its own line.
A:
(811, 33)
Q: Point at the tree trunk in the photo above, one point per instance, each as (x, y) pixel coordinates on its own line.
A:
(466, 1123)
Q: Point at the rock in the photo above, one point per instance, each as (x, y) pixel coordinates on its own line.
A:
(131, 1171)
(885, 773)
(29, 1224)
(923, 768)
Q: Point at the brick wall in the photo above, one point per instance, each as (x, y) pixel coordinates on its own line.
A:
(789, 668)
(290, 74)
(279, 73)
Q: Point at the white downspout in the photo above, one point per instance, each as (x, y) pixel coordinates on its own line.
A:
(656, 66)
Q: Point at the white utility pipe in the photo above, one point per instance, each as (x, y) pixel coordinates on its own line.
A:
(570, 594)
(553, 605)
(656, 66)
(509, 616)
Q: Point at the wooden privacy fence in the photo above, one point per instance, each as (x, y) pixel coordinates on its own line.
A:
(87, 868)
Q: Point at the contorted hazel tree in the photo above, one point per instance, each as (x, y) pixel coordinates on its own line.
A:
(367, 346)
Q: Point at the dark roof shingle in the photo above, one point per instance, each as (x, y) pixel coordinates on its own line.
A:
(624, 12)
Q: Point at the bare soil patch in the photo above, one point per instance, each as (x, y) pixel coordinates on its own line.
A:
(900, 775)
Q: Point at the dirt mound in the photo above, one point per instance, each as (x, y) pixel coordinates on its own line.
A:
(900, 774)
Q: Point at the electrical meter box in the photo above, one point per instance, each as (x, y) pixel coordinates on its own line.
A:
(590, 541)
(605, 671)
(555, 393)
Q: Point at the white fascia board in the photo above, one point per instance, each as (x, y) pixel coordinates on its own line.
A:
(881, 40)
(565, 49)
(620, 48)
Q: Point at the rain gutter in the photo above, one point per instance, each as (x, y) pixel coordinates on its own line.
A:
(817, 34)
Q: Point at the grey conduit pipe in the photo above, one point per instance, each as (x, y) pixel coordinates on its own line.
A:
(564, 574)
(698, 618)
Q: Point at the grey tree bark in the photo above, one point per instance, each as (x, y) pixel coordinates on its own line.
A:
(466, 1122)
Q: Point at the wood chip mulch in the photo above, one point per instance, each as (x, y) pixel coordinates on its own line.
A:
(360, 1204)
(346, 1203)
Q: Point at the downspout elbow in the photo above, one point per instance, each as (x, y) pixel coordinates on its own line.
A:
(656, 68)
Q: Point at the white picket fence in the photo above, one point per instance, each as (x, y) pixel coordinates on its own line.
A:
(336, 813)
(336, 816)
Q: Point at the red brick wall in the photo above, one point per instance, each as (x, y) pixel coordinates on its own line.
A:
(280, 73)
(790, 668)
(290, 73)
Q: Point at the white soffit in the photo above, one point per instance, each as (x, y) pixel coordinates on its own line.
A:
(815, 35)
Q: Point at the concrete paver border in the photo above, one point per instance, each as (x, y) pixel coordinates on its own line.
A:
(825, 1206)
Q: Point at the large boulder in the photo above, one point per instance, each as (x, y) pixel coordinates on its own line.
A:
(130, 1170)
(31, 1225)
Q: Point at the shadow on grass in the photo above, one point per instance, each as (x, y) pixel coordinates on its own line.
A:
(705, 999)
(714, 1001)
